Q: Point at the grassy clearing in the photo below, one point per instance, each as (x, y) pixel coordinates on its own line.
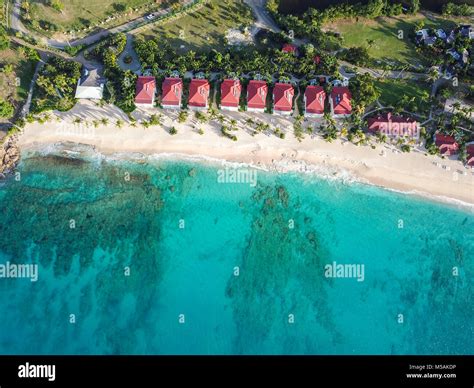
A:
(410, 94)
(205, 28)
(381, 36)
(14, 85)
(80, 14)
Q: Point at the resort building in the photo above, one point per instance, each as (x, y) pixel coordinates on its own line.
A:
(470, 154)
(172, 92)
(283, 94)
(394, 126)
(257, 96)
(145, 91)
(340, 102)
(446, 144)
(199, 94)
(423, 37)
(90, 85)
(441, 34)
(467, 31)
(230, 94)
(314, 98)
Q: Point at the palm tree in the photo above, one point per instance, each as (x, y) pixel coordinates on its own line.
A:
(156, 119)
(433, 74)
(344, 132)
(456, 106)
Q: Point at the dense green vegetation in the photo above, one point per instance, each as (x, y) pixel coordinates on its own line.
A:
(4, 39)
(452, 9)
(120, 86)
(6, 109)
(363, 92)
(312, 20)
(157, 55)
(17, 66)
(56, 85)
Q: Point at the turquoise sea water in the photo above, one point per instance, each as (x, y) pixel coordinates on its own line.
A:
(182, 234)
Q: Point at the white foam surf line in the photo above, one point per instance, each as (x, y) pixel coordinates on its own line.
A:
(287, 166)
(452, 202)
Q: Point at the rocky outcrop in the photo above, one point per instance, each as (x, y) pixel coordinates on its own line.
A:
(9, 155)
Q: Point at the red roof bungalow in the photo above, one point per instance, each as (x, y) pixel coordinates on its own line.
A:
(283, 98)
(394, 125)
(290, 48)
(257, 96)
(447, 144)
(145, 91)
(340, 101)
(172, 92)
(199, 94)
(230, 94)
(314, 97)
(470, 154)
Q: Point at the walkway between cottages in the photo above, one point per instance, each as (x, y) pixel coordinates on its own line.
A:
(134, 66)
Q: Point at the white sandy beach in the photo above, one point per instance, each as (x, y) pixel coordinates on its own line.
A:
(414, 172)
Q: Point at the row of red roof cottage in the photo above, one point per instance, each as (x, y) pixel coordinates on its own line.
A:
(231, 89)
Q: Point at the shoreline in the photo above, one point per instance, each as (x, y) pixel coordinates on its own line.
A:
(343, 176)
(382, 165)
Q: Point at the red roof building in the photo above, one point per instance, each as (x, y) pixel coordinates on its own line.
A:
(283, 98)
(172, 89)
(314, 98)
(257, 95)
(290, 48)
(199, 94)
(230, 94)
(470, 154)
(340, 101)
(145, 91)
(393, 125)
(447, 144)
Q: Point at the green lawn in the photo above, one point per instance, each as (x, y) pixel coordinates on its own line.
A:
(383, 32)
(396, 92)
(79, 14)
(203, 29)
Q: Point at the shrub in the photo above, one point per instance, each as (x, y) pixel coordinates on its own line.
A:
(6, 109)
